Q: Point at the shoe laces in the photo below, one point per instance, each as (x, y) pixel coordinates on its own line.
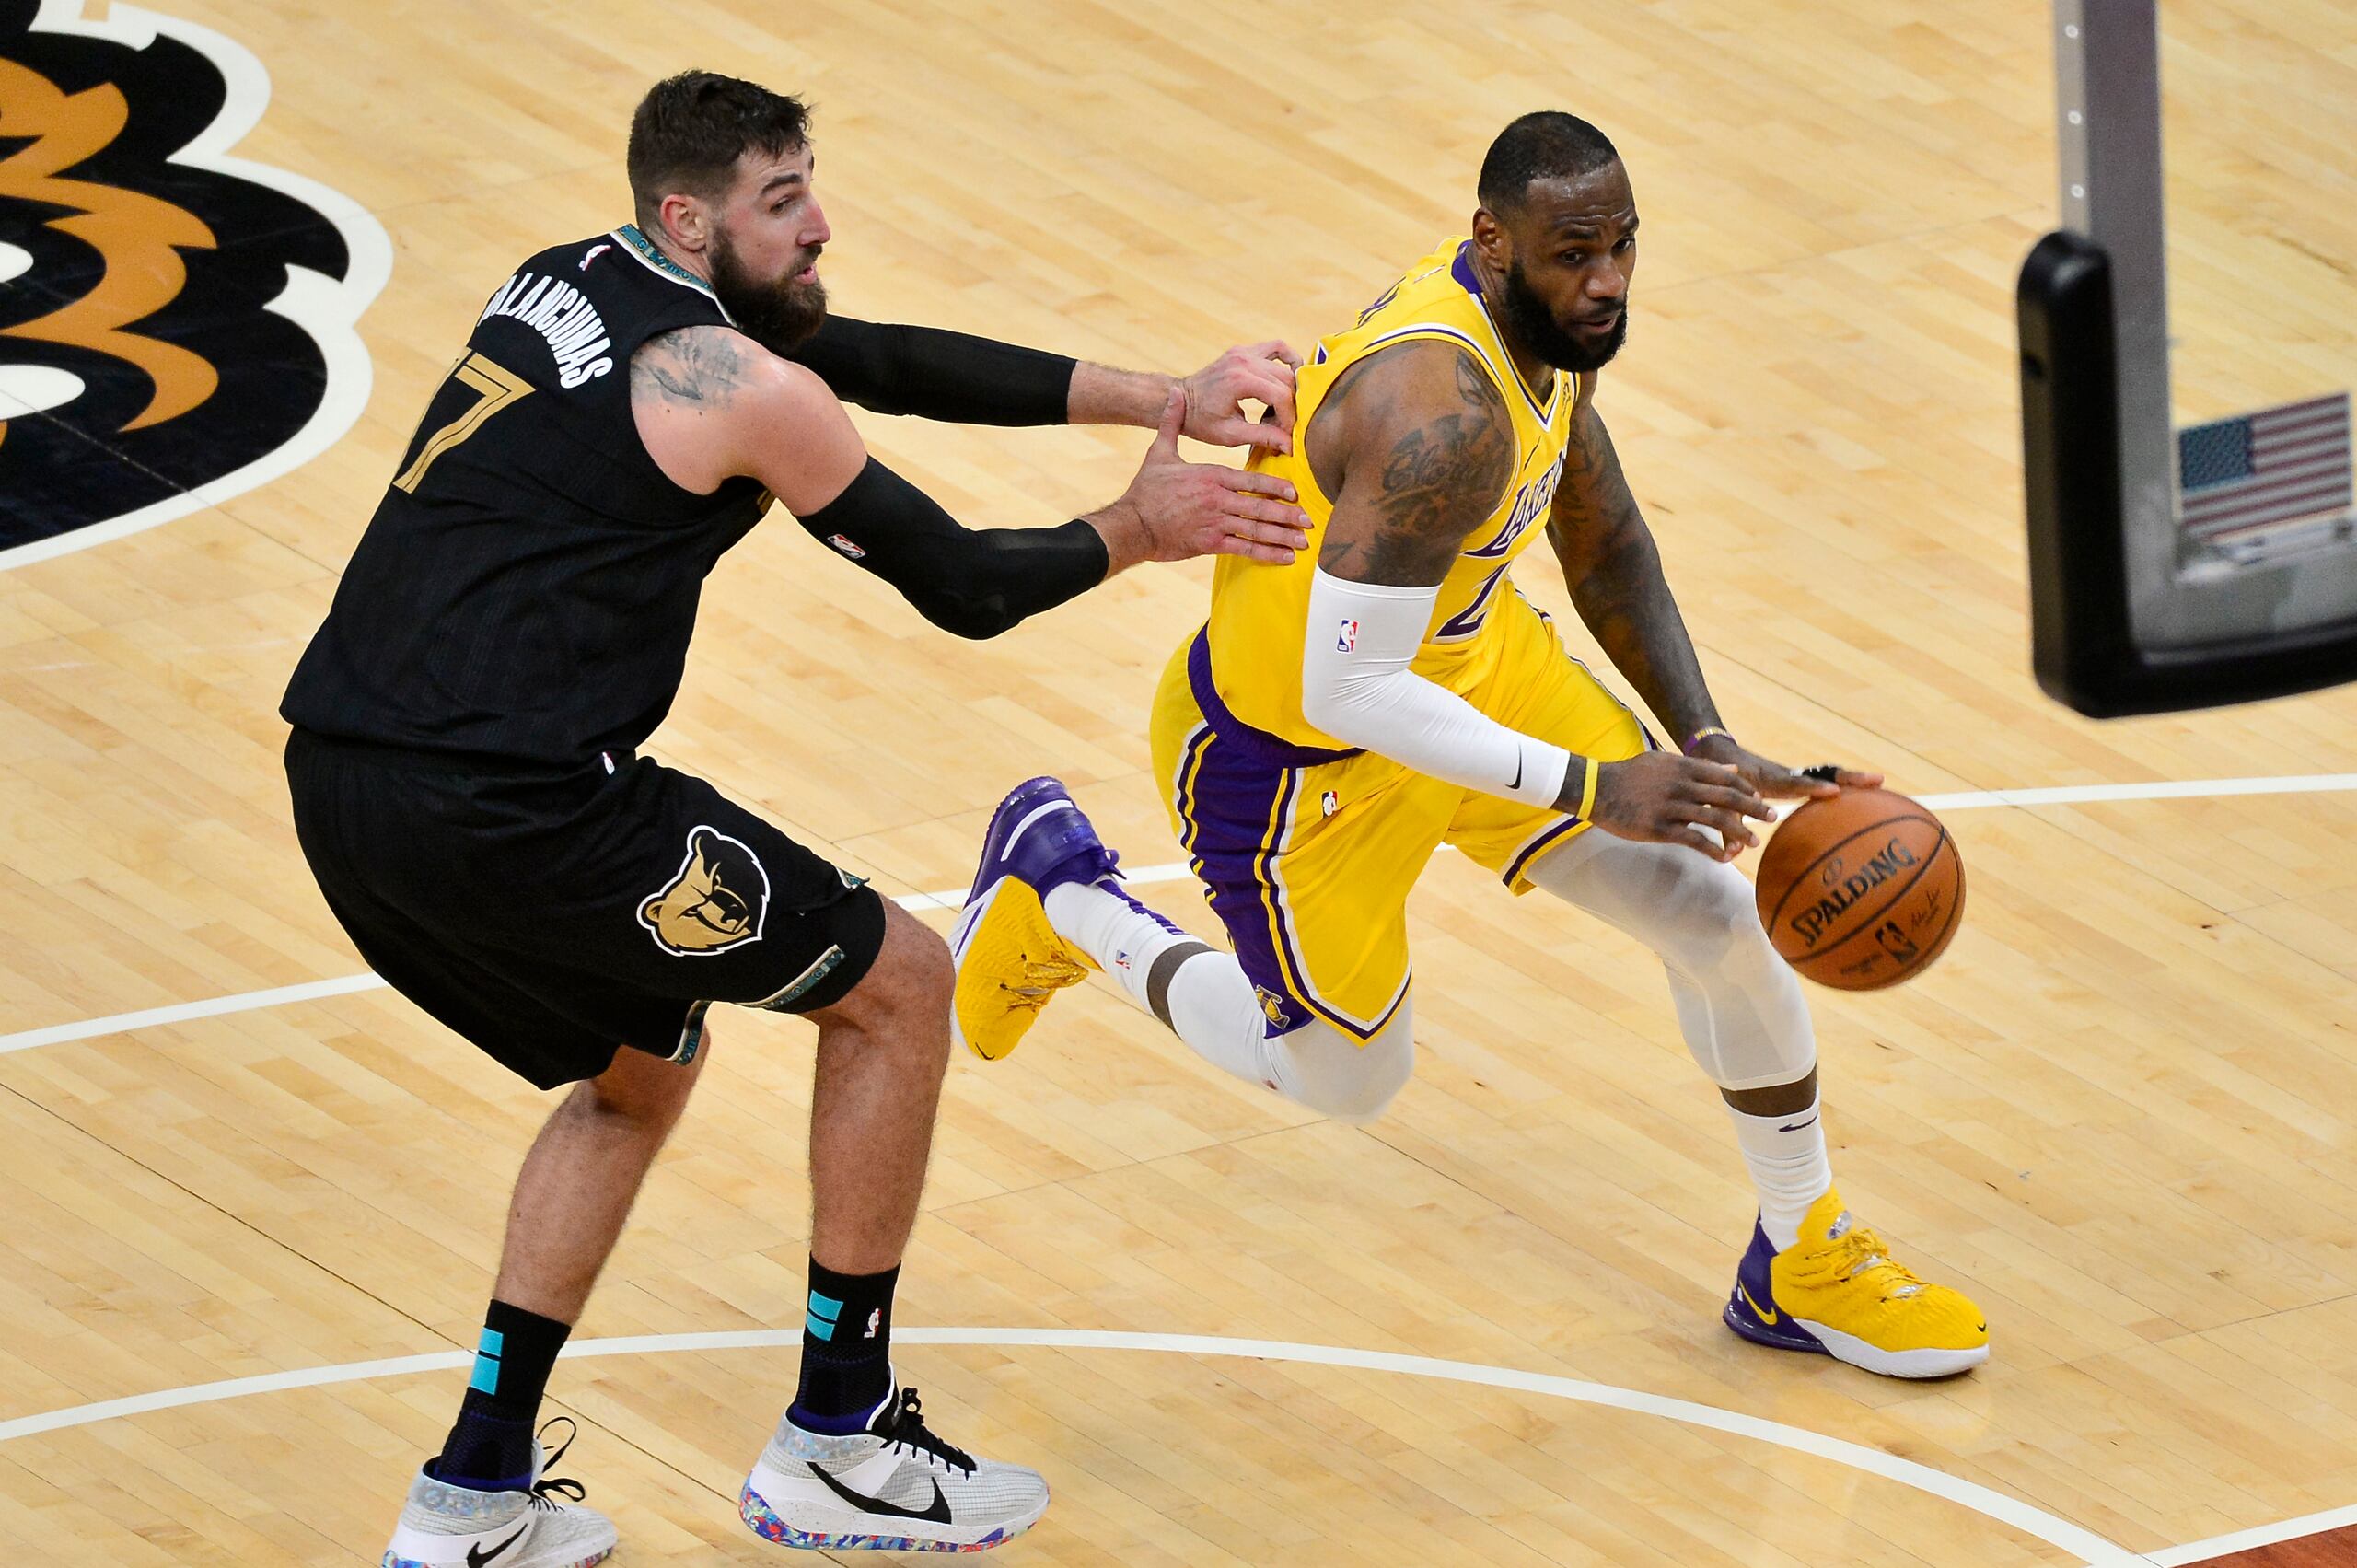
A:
(549, 1489)
(1858, 1250)
(909, 1431)
(1045, 977)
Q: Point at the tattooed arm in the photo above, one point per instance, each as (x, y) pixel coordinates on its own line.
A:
(1418, 456)
(1614, 571)
(1418, 449)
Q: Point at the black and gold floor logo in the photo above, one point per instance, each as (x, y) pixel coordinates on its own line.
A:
(176, 323)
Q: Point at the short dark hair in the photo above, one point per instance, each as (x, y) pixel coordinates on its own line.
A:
(690, 130)
(1549, 145)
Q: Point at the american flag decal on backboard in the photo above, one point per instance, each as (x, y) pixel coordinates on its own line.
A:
(2264, 468)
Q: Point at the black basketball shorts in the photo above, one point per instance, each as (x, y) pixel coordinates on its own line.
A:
(552, 919)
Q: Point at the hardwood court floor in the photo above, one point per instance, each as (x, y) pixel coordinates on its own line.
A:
(2119, 1109)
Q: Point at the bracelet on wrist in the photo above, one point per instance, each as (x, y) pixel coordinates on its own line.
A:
(1701, 736)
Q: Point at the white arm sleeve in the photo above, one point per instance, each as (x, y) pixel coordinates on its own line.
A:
(1356, 686)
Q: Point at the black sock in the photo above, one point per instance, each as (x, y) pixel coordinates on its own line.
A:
(846, 1349)
(489, 1447)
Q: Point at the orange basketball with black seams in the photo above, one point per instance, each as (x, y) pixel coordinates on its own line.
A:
(1861, 892)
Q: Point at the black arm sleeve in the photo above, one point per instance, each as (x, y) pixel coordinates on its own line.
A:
(974, 582)
(938, 375)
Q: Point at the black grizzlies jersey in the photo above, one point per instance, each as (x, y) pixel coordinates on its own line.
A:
(529, 585)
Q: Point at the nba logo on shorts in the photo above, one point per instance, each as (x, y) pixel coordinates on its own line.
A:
(1348, 639)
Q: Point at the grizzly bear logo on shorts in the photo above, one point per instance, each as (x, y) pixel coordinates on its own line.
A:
(714, 902)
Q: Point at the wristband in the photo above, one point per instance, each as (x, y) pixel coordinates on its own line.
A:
(1587, 792)
(1701, 736)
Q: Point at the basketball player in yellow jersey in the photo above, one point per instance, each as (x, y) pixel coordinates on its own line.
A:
(1340, 718)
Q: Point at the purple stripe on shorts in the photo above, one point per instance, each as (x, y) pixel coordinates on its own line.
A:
(1538, 847)
(1226, 797)
(1271, 751)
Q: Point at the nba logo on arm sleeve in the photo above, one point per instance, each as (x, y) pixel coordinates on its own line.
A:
(1347, 639)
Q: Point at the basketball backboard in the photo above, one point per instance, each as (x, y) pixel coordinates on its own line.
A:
(2168, 569)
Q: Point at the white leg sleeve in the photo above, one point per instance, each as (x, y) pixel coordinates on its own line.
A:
(1321, 1067)
(1738, 1004)
(1214, 1009)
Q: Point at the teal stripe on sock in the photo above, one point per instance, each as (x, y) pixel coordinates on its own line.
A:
(484, 1378)
(811, 1325)
(825, 1306)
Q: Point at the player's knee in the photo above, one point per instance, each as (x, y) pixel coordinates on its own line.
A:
(904, 995)
(1340, 1077)
(642, 1089)
(1712, 925)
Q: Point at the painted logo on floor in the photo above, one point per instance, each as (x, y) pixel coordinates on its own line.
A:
(175, 324)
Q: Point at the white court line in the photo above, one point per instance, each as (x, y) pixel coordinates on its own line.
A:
(181, 1012)
(2245, 1540)
(1175, 871)
(2093, 1550)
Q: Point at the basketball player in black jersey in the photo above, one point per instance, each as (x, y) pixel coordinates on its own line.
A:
(515, 623)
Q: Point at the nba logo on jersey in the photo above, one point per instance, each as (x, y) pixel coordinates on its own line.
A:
(1347, 638)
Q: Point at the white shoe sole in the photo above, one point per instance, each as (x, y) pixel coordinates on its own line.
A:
(797, 1511)
(1894, 1362)
(961, 937)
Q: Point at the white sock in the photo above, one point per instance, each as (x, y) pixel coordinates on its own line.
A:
(1786, 1155)
(1120, 933)
(1213, 1007)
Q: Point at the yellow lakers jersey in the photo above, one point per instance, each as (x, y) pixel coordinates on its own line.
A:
(1260, 612)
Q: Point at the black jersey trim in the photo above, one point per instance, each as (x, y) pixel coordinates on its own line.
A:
(636, 243)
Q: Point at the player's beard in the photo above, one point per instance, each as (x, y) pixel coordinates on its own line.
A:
(776, 313)
(1533, 327)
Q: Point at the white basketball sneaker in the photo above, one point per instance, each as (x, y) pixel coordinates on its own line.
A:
(895, 1487)
(543, 1525)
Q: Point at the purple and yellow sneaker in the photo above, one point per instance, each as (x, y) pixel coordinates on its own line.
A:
(1837, 1292)
(1010, 960)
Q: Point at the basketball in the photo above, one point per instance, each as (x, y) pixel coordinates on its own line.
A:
(1862, 890)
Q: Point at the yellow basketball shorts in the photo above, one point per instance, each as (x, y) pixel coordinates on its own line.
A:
(1308, 855)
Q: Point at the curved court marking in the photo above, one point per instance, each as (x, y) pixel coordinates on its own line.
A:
(2093, 1550)
(2250, 1540)
(1175, 871)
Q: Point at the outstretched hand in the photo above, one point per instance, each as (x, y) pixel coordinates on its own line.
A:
(1174, 510)
(1778, 781)
(1215, 396)
(1661, 797)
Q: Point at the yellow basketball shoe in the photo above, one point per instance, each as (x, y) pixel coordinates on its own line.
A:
(1010, 960)
(1837, 1292)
